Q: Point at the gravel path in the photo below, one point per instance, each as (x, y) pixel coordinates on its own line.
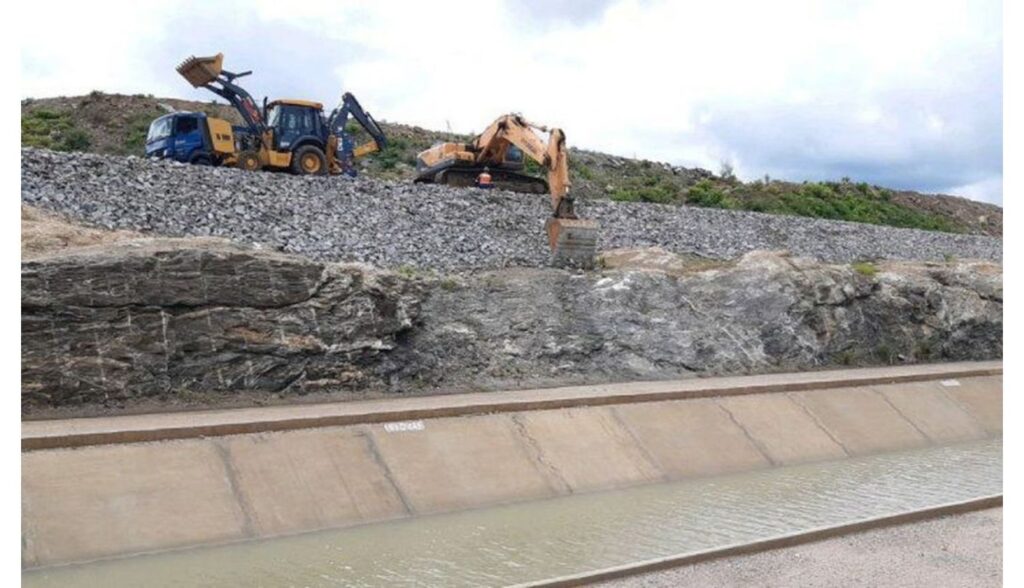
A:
(392, 224)
(957, 551)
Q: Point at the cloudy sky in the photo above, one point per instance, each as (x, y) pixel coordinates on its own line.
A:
(902, 94)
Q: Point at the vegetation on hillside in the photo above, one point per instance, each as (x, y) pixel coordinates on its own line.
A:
(52, 130)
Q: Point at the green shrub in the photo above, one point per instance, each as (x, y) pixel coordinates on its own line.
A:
(705, 194)
(582, 171)
(76, 140)
(648, 188)
(396, 151)
(658, 194)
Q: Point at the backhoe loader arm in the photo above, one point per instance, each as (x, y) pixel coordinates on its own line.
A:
(208, 72)
(338, 119)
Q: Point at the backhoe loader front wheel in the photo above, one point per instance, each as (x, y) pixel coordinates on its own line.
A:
(309, 160)
(248, 160)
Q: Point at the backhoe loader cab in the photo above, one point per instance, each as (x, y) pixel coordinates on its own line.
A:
(298, 128)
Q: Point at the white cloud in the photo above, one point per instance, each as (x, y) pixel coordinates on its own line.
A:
(894, 92)
(987, 190)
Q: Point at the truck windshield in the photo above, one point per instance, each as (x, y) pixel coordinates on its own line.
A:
(159, 129)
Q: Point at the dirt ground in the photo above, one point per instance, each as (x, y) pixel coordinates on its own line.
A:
(956, 551)
(44, 233)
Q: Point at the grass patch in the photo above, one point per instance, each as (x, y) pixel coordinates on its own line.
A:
(135, 131)
(843, 201)
(52, 130)
(646, 189)
(865, 268)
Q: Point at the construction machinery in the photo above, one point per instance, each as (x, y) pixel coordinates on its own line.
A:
(499, 151)
(193, 137)
(290, 135)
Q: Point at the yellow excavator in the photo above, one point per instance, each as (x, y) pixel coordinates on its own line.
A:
(290, 135)
(499, 152)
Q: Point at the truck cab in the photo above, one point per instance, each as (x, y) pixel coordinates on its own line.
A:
(181, 136)
(194, 137)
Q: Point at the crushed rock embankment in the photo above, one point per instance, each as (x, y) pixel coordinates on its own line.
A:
(396, 224)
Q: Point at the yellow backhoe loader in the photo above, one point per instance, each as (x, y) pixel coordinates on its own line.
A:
(287, 134)
(499, 151)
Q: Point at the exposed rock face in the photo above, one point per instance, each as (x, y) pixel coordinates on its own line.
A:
(396, 224)
(164, 318)
(766, 312)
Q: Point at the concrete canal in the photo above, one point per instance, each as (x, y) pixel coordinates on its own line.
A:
(532, 541)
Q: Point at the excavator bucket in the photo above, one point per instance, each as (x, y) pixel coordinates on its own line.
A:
(573, 242)
(200, 71)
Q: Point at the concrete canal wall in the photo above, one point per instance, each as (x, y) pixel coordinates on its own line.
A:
(84, 501)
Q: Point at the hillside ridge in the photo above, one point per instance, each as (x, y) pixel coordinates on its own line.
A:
(117, 124)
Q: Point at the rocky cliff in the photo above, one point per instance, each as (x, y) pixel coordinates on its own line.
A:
(118, 322)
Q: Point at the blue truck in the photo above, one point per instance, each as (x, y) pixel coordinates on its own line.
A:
(194, 137)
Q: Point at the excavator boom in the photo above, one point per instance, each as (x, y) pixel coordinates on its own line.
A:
(573, 241)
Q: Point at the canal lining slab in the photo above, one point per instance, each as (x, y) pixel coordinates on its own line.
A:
(258, 485)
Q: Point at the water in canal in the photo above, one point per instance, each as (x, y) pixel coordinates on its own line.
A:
(536, 540)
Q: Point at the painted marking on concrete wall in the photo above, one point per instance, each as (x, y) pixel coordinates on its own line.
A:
(949, 383)
(404, 426)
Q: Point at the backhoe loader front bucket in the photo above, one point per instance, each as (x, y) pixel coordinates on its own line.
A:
(200, 71)
(573, 242)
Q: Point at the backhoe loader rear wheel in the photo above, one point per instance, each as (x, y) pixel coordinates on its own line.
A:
(309, 160)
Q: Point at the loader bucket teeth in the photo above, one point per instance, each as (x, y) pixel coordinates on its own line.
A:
(200, 71)
(573, 242)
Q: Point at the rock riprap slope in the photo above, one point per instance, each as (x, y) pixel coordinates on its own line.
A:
(396, 224)
(199, 320)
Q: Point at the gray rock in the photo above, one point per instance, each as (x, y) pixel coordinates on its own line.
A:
(395, 224)
(167, 319)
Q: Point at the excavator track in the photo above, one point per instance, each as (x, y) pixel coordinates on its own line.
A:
(501, 179)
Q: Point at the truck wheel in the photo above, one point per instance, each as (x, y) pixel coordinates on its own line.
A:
(201, 160)
(309, 160)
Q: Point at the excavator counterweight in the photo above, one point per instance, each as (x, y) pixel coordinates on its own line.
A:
(500, 151)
